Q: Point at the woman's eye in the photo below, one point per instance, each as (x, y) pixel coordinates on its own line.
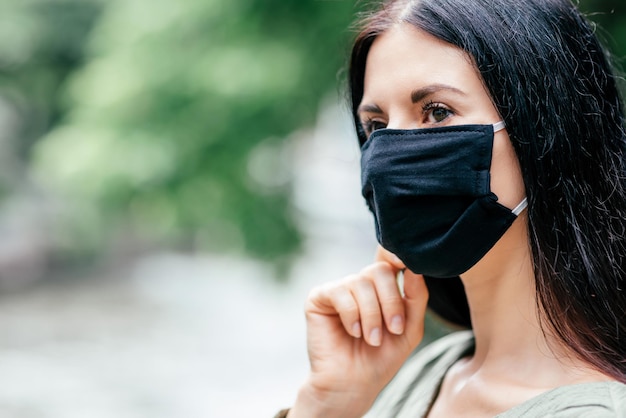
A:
(440, 114)
(372, 125)
(436, 113)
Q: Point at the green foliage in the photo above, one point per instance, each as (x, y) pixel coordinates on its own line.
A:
(168, 118)
(41, 43)
(610, 16)
(176, 121)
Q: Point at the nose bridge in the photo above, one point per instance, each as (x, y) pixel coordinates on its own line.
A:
(402, 119)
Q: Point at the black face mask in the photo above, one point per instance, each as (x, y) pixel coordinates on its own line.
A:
(429, 192)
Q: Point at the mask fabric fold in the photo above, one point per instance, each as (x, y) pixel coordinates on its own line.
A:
(429, 192)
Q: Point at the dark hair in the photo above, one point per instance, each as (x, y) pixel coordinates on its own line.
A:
(552, 83)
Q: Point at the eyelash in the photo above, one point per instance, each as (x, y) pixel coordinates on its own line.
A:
(432, 106)
(368, 125)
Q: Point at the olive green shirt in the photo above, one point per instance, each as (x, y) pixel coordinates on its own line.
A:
(414, 388)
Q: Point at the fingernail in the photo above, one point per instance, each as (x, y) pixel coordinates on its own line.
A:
(356, 330)
(396, 325)
(375, 337)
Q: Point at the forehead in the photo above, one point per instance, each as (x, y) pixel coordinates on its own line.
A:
(406, 57)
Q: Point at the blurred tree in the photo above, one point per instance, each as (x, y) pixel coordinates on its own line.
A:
(171, 117)
(177, 120)
(610, 15)
(41, 43)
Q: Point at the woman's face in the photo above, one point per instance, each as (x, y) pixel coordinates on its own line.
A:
(414, 80)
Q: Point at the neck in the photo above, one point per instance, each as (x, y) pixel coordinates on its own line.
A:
(510, 339)
(504, 315)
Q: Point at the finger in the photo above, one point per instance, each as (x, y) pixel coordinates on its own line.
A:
(369, 311)
(389, 297)
(337, 299)
(415, 301)
(385, 255)
(346, 306)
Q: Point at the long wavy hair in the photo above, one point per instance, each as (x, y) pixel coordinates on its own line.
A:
(552, 82)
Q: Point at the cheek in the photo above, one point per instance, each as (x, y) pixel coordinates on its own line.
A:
(506, 175)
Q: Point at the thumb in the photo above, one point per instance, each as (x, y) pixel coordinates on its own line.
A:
(389, 257)
(415, 301)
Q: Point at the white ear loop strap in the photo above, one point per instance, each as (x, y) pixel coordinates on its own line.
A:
(519, 208)
(498, 126)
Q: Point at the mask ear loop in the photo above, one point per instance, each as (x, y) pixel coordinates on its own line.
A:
(519, 208)
(498, 126)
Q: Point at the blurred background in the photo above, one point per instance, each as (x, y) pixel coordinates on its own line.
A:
(174, 178)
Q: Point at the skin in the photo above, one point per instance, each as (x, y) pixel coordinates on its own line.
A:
(361, 329)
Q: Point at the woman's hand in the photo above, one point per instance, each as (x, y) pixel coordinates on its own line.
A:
(360, 330)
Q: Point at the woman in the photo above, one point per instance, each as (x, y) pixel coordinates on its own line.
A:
(492, 149)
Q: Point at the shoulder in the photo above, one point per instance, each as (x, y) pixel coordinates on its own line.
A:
(416, 383)
(598, 400)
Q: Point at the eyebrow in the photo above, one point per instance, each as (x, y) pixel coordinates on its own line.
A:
(416, 96)
(421, 94)
(369, 108)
